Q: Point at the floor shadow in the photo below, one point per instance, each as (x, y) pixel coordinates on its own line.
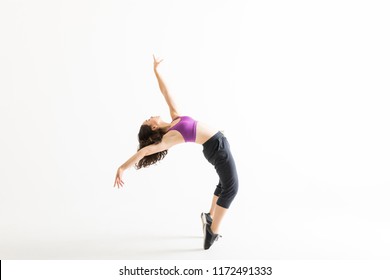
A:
(157, 237)
(162, 246)
(160, 252)
(172, 237)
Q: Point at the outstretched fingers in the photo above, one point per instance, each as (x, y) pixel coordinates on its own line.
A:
(157, 61)
(118, 182)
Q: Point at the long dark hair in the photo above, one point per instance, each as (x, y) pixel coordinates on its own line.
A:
(146, 137)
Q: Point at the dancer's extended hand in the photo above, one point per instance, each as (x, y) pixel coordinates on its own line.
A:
(118, 178)
(156, 61)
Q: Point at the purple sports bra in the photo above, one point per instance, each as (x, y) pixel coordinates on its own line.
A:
(187, 128)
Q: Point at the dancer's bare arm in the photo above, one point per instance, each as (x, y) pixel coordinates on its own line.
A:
(167, 142)
(164, 90)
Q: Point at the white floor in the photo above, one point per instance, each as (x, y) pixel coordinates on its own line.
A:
(264, 230)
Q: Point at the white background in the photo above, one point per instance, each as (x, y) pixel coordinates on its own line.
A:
(301, 89)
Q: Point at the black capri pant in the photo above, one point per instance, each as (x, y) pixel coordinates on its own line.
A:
(217, 151)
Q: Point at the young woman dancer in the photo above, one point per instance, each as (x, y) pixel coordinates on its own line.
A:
(156, 137)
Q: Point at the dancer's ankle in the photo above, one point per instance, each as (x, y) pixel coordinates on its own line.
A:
(214, 229)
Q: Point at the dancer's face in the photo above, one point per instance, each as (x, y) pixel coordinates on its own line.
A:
(153, 122)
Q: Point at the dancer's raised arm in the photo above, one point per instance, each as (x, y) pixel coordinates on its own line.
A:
(164, 90)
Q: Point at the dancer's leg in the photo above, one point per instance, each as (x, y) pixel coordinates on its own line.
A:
(218, 154)
(219, 213)
(213, 205)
